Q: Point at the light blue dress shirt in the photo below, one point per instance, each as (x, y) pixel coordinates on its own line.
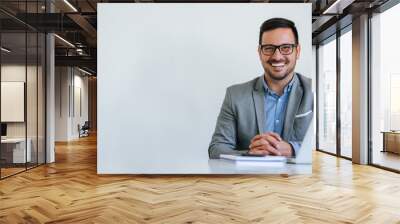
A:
(275, 110)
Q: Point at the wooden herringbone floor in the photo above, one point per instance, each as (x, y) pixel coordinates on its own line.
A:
(70, 191)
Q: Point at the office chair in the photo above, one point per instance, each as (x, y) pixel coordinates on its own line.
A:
(84, 130)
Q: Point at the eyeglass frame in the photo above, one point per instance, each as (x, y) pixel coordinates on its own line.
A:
(277, 47)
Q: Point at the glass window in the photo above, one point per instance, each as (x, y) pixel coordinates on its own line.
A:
(385, 85)
(346, 94)
(14, 151)
(327, 97)
(41, 98)
(31, 101)
(22, 91)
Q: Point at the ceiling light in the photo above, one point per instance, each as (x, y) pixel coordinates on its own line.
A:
(84, 71)
(70, 5)
(5, 50)
(338, 6)
(64, 40)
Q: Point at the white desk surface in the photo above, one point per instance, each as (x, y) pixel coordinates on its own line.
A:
(13, 140)
(221, 166)
(213, 166)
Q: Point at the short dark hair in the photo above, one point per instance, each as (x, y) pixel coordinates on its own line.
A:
(275, 23)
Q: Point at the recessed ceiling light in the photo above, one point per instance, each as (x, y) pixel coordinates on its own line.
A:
(84, 71)
(70, 5)
(338, 6)
(64, 40)
(5, 50)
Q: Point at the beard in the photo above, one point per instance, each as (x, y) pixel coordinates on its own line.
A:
(278, 77)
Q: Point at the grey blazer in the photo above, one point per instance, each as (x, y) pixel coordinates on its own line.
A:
(242, 116)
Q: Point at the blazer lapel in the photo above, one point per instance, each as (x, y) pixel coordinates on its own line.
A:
(258, 98)
(293, 105)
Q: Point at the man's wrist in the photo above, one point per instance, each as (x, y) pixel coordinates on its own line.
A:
(292, 152)
(288, 149)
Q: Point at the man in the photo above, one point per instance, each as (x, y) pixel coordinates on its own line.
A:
(268, 115)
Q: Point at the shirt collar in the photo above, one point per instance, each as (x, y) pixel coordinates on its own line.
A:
(287, 88)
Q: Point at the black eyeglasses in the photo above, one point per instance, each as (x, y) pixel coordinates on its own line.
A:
(269, 49)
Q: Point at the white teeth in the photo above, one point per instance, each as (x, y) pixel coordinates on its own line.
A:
(277, 64)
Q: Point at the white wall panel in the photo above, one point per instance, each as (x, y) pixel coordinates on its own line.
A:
(12, 101)
(162, 74)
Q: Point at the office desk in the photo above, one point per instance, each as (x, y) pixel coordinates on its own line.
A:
(391, 141)
(222, 166)
(205, 166)
(13, 150)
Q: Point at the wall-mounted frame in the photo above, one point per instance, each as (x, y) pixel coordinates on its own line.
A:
(12, 98)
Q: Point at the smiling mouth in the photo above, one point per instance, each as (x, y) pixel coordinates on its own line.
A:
(277, 65)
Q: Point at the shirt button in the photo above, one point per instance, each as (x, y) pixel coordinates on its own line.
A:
(277, 121)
